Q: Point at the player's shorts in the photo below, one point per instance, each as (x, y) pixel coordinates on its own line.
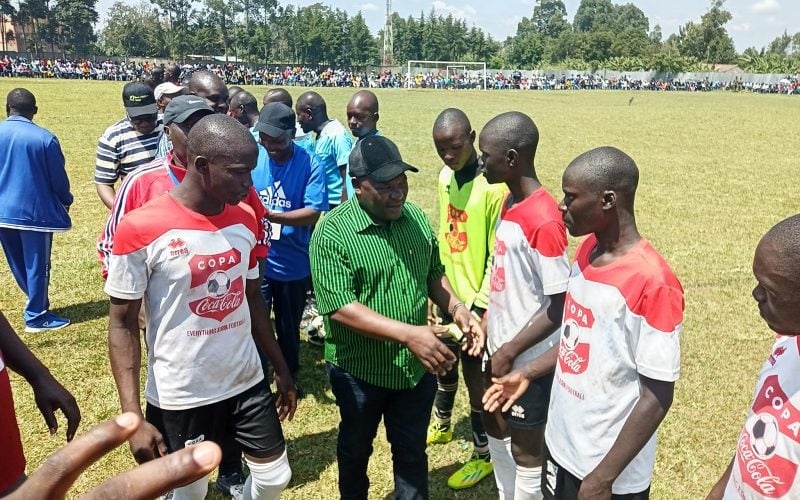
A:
(530, 410)
(250, 417)
(559, 484)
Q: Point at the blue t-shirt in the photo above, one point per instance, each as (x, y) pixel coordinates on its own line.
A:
(348, 181)
(299, 183)
(333, 146)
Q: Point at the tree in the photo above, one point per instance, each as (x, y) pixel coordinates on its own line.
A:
(133, 30)
(363, 48)
(76, 18)
(7, 11)
(178, 14)
(550, 18)
(594, 15)
(709, 41)
(221, 14)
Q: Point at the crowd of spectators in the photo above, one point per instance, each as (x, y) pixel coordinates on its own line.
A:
(307, 76)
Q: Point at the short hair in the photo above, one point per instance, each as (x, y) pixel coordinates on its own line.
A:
(785, 249)
(452, 118)
(21, 100)
(219, 137)
(246, 99)
(607, 168)
(513, 130)
(369, 99)
(278, 95)
(203, 79)
(313, 101)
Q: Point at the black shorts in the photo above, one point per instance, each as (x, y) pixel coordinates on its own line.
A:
(250, 417)
(530, 410)
(558, 484)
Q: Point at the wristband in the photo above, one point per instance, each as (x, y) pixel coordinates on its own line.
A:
(455, 308)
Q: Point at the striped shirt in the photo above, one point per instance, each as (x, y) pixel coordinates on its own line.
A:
(121, 150)
(385, 268)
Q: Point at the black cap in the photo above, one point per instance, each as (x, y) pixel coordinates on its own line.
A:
(378, 159)
(138, 99)
(275, 119)
(182, 107)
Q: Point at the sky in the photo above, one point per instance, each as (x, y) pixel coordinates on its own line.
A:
(755, 22)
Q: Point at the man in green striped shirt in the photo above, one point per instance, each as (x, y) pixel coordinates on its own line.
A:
(374, 262)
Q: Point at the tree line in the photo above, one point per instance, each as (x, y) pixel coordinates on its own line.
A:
(601, 34)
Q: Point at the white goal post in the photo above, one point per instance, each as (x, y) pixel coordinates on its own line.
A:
(420, 66)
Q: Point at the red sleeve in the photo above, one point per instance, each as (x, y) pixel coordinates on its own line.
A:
(262, 242)
(550, 240)
(662, 307)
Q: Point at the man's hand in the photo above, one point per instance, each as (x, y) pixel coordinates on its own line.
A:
(426, 346)
(147, 443)
(56, 475)
(505, 391)
(468, 324)
(286, 399)
(51, 396)
(593, 488)
(502, 362)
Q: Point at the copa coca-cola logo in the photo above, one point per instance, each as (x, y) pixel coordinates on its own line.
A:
(498, 279)
(573, 350)
(771, 476)
(499, 247)
(203, 266)
(218, 307)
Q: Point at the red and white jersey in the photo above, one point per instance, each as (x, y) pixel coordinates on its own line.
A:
(151, 181)
(621, 320)
(530, 263)
(12, 459)
(768, 451)
(191, 270)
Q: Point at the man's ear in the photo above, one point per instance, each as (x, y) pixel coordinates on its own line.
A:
(377, 117)
(357, 185)
(472, 136)
(512, 157)
(35, 110)
(201, 164)
(609, 200)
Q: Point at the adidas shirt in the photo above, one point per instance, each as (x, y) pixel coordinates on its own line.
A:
(768, 452)
(621, 320)
(191, 270)
(530, 262)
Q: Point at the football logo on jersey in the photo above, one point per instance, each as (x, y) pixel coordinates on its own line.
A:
(497, 281)
(273, 197)
(774, 425)
(456, 240)
(573, 351)
(223, 294)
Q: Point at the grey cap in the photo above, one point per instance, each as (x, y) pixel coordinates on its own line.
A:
(275, 119)
(182, 107)
(378, 159)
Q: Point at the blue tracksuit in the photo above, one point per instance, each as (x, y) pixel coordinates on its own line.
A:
(34, 197)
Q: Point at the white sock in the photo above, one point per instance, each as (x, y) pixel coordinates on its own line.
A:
(528, 485)
(267, 481)
(192, 491)
(504, 466)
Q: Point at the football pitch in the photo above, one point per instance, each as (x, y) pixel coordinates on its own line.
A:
(717, 171)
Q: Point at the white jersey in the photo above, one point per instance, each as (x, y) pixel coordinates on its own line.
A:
(530, 263)
(768, 451)
(191, 270)
(621, 320)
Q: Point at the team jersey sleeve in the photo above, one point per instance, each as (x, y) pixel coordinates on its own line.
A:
(494, 204)
(659, 315)
(343, 144)
(316, 194)
(261, 249)
(128, 271)
(550, 243)
(331, 271)
(106, 168)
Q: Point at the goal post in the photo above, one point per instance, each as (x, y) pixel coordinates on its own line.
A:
(419, 67)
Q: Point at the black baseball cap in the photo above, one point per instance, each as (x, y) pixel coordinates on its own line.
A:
(182, 107)
(138, 99)
(275, 119)
(378, 159)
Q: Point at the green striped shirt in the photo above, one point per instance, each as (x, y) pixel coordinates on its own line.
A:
(385, 268)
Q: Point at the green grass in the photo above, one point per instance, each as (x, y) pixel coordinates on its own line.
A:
(717, 170)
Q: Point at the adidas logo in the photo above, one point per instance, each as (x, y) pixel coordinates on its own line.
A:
(274, 197)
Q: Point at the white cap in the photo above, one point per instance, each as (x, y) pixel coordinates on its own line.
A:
(166, 88)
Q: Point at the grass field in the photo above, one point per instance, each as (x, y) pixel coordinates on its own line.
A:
(717, 170)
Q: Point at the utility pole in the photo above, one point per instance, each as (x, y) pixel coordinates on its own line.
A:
(388, 37)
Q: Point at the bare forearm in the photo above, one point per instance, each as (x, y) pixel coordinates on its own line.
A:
(718, 491)
(442, 294)
(640, 426)
(124, 351)
(17, 355)
(544, 364)
(300, 217)
(106, 193)
(371, 324)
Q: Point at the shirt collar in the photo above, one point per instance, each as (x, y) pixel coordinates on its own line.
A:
(362, 219)
(19, 118)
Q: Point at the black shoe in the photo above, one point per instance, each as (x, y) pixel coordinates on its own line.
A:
(231, 485)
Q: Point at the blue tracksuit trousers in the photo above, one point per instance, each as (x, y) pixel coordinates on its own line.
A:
(28, 255)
